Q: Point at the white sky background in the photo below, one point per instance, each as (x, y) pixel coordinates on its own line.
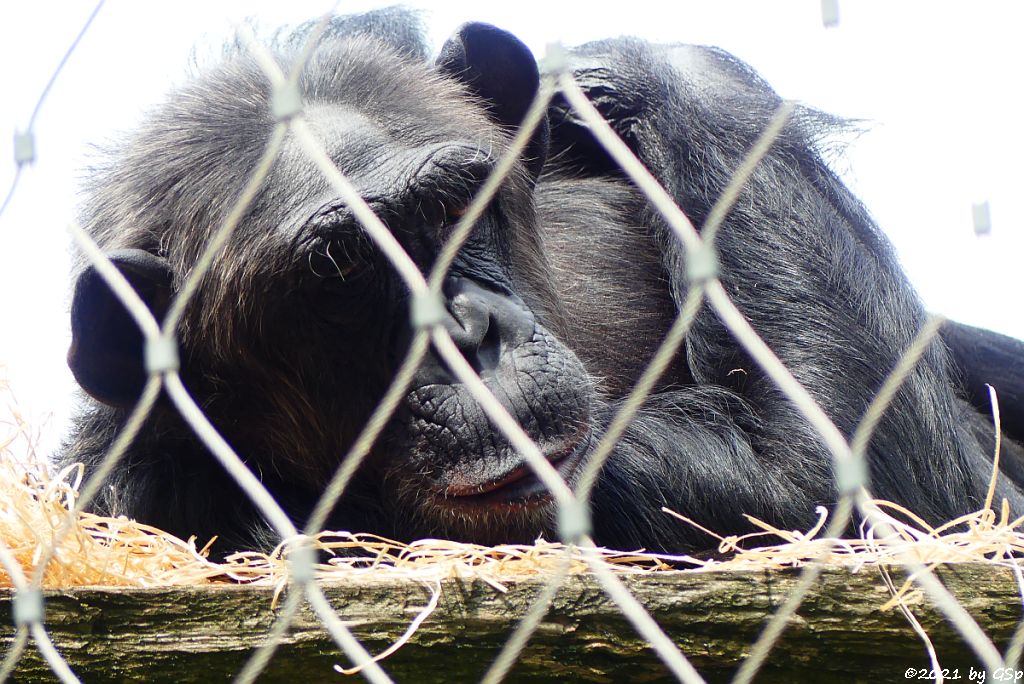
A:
(939, 84)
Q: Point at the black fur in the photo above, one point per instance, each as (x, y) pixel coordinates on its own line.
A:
(560, 297)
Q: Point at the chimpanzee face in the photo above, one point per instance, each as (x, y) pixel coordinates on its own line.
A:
(446, 460)
(302, 323)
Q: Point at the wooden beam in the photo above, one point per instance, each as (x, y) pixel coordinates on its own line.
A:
(205, 633)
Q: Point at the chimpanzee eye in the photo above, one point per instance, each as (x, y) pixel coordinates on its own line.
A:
(338, 260)
(439, 214)
(453, 214)
(447, 214)
(343, 266)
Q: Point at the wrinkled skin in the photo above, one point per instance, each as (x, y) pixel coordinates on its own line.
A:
(559, 298)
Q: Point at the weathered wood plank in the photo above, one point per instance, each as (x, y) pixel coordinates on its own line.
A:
(205, 633)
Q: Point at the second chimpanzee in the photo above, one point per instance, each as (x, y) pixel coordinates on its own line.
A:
(559, 298)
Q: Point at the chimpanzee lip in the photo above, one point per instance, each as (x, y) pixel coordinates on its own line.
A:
(521, 484)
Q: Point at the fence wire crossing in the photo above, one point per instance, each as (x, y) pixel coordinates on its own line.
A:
(162, 365)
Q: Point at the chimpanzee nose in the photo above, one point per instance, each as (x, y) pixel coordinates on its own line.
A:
(485, 324)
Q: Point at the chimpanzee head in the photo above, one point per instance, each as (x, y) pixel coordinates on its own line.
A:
(299, 327)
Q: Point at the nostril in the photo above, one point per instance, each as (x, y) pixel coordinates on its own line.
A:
(488, 353)
(485, 324)
(472, 329)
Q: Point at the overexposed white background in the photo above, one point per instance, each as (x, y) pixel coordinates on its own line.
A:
(937, 85)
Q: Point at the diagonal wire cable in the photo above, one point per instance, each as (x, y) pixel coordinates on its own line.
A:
(226, 230)
(121, 286)
(727, 200)
(336, 487)
(448, 351)
(655, 369)
(687, 234)
(531, 120)
(371, 431)
(763, 355)
(501, 418)
(194, 416)
(25, 591)
(640, 618)
(416, 283)
(14, 653)
(529, 623)
(392, 250)
(260, 658)
(42, 98)
(688, 312)
(116, 281)
(671, 655)
(842, 514)
(418, 347)
(151, 332)
(217, 445)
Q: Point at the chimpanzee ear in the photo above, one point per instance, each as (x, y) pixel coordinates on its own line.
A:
(499, 68)
(106, 354)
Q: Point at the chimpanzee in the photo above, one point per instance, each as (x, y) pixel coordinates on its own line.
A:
(559, 298)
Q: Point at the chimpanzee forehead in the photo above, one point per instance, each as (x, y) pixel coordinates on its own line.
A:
(386, 166)
(357, 142)
(373, 111)
(398, 92)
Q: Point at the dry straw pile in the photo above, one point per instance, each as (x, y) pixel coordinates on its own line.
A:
(35, 504)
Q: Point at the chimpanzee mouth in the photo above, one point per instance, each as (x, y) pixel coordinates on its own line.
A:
(520, 487)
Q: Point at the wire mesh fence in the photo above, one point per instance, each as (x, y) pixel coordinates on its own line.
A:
(162, 365)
